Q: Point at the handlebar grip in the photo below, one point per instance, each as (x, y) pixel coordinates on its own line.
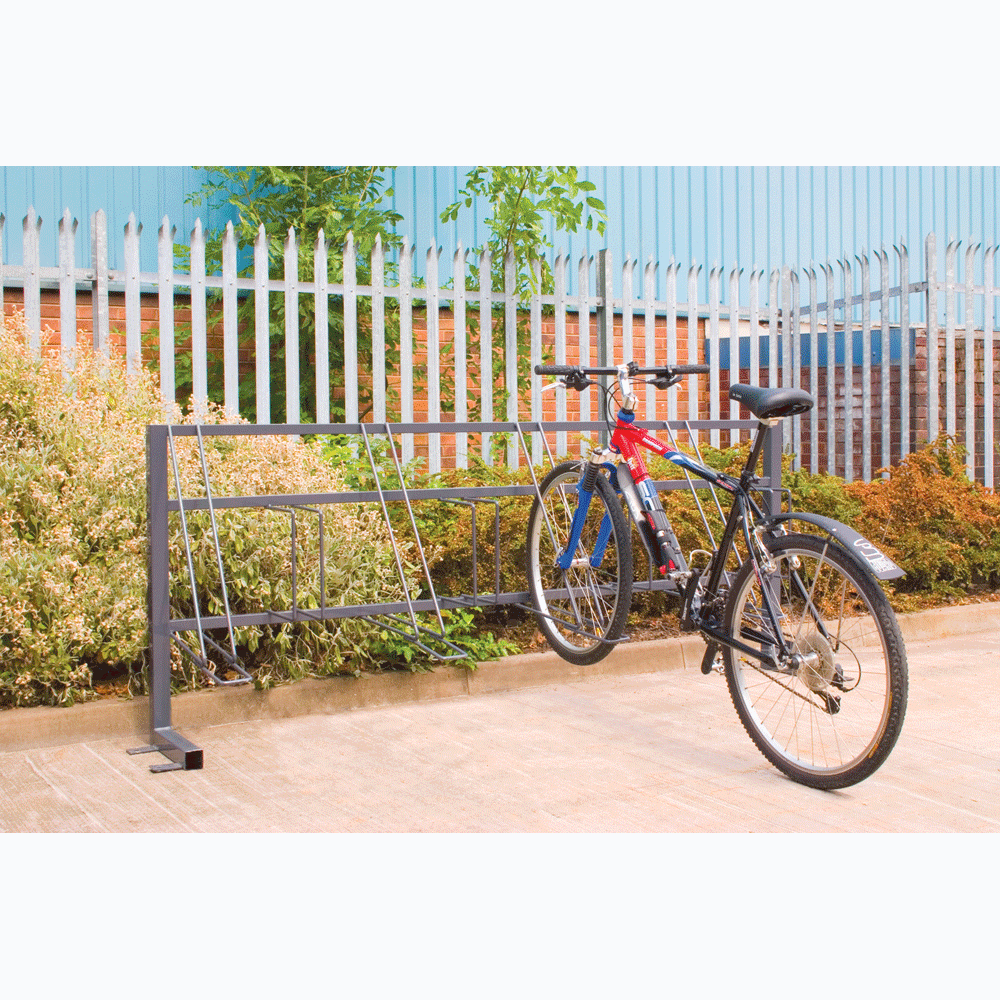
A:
(555, 369)
(692, 369)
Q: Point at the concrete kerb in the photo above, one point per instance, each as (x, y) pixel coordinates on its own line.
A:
(30, 728)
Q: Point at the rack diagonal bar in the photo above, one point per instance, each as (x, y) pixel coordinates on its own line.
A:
(180, 752)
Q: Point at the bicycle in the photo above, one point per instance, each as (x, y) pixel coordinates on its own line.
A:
(809, 645)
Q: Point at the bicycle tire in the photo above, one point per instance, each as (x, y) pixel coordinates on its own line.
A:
(582, 610)
(832, 721)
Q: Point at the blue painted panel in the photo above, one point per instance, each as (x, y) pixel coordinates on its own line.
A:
(805, 349)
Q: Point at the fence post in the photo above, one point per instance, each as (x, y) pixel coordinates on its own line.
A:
(583, 327)
(988, 370)
(378, 336)
(199, 326)
(905, 359)
(950, 255)
(693, 381)
(672, 271)
(845, 266)
(734, 346)
(165, 293)
(350, 262)
(795, 329)
(133, 319)
(831, 370)
(930, 264)
(628, 278)
(605, 327)
(754, 292)
(813, 369)
(772, 327)
(99, 289)
(716, 367)
(560, 274)
(649, 330)
(32, 281)
(292, 402)
(461, 354)
(406, 344)
(321, 313)
(786, 377)
(885, 415)
(535, 354)
(970, 360)
(433, 326)
(230, 326)
(510, 352)
(605, 313)
(866, 368)
(486, 349)
(67, 290)
(262, 326)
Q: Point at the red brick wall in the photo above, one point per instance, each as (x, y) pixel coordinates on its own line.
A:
(919, 431)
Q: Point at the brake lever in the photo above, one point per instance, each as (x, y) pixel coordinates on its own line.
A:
(665, 381)
(578, 381)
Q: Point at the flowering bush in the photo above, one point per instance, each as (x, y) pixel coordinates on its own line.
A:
(73, 536)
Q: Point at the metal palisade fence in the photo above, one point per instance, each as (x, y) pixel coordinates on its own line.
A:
(854, 333)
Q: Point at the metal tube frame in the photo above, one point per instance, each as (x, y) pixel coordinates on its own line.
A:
(180, 752)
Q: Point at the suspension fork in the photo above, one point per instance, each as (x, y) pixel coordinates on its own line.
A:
(585, 493)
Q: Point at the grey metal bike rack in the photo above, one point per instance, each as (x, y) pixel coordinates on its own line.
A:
(397, 616)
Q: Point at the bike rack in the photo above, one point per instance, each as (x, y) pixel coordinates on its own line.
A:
(399, 617)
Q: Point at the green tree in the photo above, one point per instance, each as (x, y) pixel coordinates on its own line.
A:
(309, 199)
(342, 200)
(520, 198)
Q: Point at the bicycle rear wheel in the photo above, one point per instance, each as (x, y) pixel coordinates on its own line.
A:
(581, 609)
(830, 717)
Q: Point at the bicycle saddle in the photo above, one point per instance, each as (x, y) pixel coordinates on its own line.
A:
(772, 404)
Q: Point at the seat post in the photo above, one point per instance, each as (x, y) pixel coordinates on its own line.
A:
(755, 451)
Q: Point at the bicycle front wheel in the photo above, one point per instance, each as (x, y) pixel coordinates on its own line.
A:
(829, 715)
(581, 610)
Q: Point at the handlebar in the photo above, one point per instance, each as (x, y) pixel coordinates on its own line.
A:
(668, 371)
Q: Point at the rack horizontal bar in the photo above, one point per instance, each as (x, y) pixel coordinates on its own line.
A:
(446, 427)
(393, 608)
(370, 496)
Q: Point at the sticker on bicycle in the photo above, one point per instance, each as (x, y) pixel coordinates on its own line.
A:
(878, 561)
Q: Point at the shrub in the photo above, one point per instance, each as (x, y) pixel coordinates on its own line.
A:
(446, 536)
(73, 536)
(941, 528)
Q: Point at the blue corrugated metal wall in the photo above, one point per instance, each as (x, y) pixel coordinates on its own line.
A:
(149, 192)
(763, 217)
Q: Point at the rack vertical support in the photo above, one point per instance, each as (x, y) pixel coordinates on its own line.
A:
(772, 470)
(182, 754)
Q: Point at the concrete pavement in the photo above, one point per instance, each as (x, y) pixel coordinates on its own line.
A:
(615, 751)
